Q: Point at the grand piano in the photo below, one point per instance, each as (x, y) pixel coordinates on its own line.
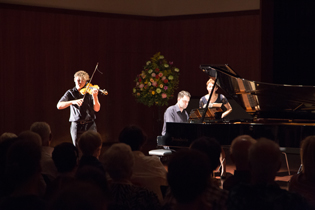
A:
(282, 113)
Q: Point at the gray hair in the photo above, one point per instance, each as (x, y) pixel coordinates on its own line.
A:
(42, 129)
(118, 161)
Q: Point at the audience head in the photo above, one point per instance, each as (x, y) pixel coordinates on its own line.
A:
(6, 136)
(90, 143)
(265, 160)
(30, 135)
(188, 175)
(7, 139)
(43, 130)
(308, 157)
(118, 161)
(65, 157)
(210, 147)
(239, 151)
(133, 136)
(23, 161)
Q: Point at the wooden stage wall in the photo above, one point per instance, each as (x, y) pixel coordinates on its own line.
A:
(41, 49)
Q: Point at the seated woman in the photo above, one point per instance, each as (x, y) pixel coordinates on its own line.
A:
(304, 183)
(215, 98)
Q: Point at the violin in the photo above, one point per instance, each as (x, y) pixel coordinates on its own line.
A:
(89, 88)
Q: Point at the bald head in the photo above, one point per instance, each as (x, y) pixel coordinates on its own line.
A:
(239, 151)
(265, 160)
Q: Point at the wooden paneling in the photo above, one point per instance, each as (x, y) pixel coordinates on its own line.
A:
(41, 49)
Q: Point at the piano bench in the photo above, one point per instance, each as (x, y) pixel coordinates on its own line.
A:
(160, 152)
(163, 154)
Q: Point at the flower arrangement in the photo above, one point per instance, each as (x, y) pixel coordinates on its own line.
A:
(157, 82)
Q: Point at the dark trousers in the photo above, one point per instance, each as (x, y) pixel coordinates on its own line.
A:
(76, 130)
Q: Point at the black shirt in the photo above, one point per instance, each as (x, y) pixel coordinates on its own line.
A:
(84, 112)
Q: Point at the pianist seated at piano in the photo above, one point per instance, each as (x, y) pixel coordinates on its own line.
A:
(216, 99)
(177, 112)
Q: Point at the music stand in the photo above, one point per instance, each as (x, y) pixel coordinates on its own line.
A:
(197, 114)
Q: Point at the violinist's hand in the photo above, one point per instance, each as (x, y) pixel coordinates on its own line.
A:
(78, 102)
(94, 92)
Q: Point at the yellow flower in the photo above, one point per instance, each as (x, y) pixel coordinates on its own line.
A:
(158, 90)
(176, 69)
(153, 92)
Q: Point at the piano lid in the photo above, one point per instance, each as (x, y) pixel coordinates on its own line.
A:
(264, 100)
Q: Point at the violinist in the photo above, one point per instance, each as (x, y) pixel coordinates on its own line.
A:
(82, 106)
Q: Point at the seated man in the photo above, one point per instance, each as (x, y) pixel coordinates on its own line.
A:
(177, 112)
(90, 144)
(148, 171)
(118, 162)
(49, 170)
(239, 156)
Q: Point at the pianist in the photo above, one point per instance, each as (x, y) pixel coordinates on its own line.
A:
(177, 112)
(215, 99)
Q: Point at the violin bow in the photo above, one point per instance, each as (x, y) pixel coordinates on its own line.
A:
(96, 68)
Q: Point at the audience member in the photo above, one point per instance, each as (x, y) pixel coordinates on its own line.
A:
(80, 196)
(7, 135)
(214, 195)
(23, 174)
(30, 135)
(7, 139)
(211, 148)
(90, 144)
(65, 157)
(263, 193)
(239, 156)
(304, 183)
(188, 176)
(148, 171)
(118, 161)
(49, 170)
(93, 175)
